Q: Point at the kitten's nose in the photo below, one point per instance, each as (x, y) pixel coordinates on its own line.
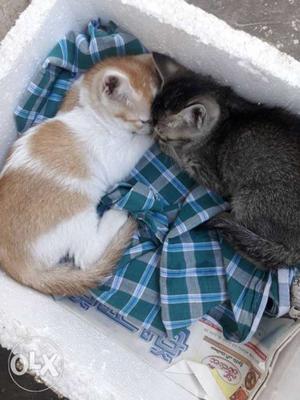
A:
(148, 121)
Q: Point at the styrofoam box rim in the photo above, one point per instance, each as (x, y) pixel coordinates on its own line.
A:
(25, 313)
(190, 19)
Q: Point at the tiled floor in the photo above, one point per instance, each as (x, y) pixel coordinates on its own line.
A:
(277, 22)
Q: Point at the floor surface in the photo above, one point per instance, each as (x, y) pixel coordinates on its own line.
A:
(10, 391)
(9, 11)
(275, 21)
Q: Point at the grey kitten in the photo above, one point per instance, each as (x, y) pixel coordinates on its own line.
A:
(248, 153)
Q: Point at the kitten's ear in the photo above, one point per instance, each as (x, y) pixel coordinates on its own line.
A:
(194, 115)
(116, 86)
(167, 68)
(203, 115)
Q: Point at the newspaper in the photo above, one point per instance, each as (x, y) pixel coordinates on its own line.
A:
(217, 369)
(200, 359)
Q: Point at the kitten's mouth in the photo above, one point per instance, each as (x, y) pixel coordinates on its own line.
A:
(157, 135)
(145, 130)
(161, 136)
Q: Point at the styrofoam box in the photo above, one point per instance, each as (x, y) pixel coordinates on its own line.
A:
(95, 366)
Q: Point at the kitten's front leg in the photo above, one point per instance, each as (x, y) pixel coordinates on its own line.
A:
(201, 170)
(196, 164)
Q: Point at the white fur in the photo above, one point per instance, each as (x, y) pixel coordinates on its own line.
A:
(83, 237)
(112, 152)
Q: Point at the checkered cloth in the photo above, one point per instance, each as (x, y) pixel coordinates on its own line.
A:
(175, 270)
(72, 55)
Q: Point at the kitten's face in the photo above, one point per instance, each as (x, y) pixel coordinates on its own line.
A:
(124, 88)
(183, 111)
(176, 121)
(180, 118)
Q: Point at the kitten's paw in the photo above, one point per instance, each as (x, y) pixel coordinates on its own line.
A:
(188, 164)
(218, 221)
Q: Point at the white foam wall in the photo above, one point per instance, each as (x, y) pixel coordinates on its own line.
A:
(206, 44)
(95, 367)
(201, 42)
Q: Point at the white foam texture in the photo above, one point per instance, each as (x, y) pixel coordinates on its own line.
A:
(96, 367)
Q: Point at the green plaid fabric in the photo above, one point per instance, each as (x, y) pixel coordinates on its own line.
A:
(175, 271)
(72, 55)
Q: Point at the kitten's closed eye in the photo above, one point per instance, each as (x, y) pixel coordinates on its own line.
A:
(140, 121)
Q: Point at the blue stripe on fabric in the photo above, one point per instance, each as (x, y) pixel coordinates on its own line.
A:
(151, 316)
(201, 246)
(141, 286)
(260, 311)
(120, 44)
(115, 285)
(64, 50)
(191, 272)
(193, 298)
(167, 174)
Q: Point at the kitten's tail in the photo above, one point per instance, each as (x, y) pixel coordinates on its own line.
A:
(264, 253)
(65, 280)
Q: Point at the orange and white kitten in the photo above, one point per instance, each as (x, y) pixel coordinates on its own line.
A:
(57, 173)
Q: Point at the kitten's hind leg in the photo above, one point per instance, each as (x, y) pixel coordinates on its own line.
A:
(99, 234)
(263, 253)
(84, 237)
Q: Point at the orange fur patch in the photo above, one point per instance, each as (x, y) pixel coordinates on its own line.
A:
(139, 69)
(71, 100)
(58, 150)
(31, 205)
